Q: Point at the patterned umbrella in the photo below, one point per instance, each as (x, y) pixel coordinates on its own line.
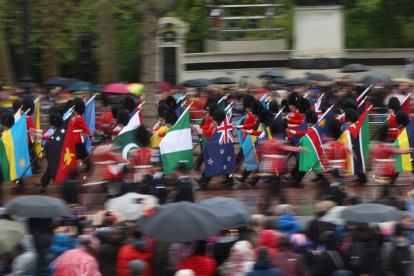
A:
(118, 88)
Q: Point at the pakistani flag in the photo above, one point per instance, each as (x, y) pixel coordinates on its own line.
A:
(177, 145)
(126, 139)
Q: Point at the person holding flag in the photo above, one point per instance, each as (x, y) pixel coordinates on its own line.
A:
(141, 156)
(249, 120)
(28, 107)
(170, 119)
(293, 119)
(162, 107)
(115, 129)
(393, 107)
(6, 121)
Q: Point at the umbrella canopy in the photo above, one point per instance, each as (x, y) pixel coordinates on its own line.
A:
(58, 81)
(183, 222)
(271, 74)
(376, 80)
(37, 207)
(130, 205)
(371, 213)
(118, 88)
(318, 77)
(68, 82)
(11, 233)
(223, 80)
(334, 216)
(80, 86)
(279, 80)
(297, 81)
(197, 83)
(97, 88)
(354, 68)
(234, 213)
(136, 88)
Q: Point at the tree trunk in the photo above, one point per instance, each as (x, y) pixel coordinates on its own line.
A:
(108, 59)
(6, 67)
(50, 67)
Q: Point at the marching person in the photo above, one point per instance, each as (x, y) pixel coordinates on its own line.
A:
(293, 118)
(115, 128)
(393, 107)
(7, 121)
(28, 107)
(170, 119)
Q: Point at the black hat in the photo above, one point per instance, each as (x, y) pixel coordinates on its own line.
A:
(293, 99)
(219, 115)
(266, 117)
(383, 133)
(170, 117)
(257, 107)
(335, 127)
(335, 111)
(122, 118)
(129, 103)
(162, 107)
(394, 104)
(28, 103)
(247, 101)
(276, 127)
(402, 118)
(56, 109)
(16, 105)
(349, 103)
(181, 166)
(351, 115)
(68, 105)
(212, 108)
(209, 101)
(143, 136)
(274, 106)
(55, 119)
(311, 116)
(79, 105)
(303, 105)
(7, 119)
(285, 106)
(170, 101)
(115, 108)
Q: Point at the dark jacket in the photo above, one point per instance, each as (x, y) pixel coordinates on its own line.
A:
(264, 268)
(107, 258)
(183, 189)
(156, 186)
(69, 190)
(290, 263)
(222, 248)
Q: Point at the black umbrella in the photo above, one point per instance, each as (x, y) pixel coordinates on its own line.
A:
(297, 81)
(271, 74)
(376, 80)
(279, 80)
(58, 81)
(354, 68)
(197, 83)
(234, 213)
(318, 77)
(183, 222)
(371, 213)
(223, 80)
(37, 207)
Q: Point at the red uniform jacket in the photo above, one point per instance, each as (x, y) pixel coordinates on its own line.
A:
(207, 123)
(106, 163)
(29, 124)
(249, 123)
(209, 132)
(393, 130)
(302, 133)
(79, 128)
(114, 130)
(335, 156)
(294, 119)
(201, 265)
(382, 155)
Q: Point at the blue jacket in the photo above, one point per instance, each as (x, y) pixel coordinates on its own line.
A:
(288, 224)
(264, 268)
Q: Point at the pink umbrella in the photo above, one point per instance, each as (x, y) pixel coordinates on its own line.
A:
(118, 88)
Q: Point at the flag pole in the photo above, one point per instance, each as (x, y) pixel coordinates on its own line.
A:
(198, 158)
(363, 93)
(31, 163)
(241, 161)
(87, 174)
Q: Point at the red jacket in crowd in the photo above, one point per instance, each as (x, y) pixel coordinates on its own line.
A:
(130, 252)
(393, 130)
(201, 265)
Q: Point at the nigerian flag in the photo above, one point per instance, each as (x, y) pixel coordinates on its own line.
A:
(177, 145)
(126, 139)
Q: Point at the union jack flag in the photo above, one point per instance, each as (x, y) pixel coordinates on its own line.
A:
(225, 129)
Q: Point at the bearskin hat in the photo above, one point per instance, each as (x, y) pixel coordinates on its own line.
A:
(68, 105)
(247, 101)
(285, 106)
(162, 107)
(351, 115)
(122, 118)
(219, 115)
(79, 105)
(335, 128)
(303, 105)
(274, 106)
(257, 107)
(209, 101)
(170, 117)
(311, 116)
(402, 118)
(7, 119)
(293, 99)
(350, 95)
(213, 107)
(394, 104)
(383, 133)
(143, 136)
(266, 117)
(129, 103)
(16, 105)
(28, 103)
(349, 103)
(56, 109)
(55, 119)
(170, 101)
(115, 108)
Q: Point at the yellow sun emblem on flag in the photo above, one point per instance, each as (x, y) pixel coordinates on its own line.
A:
(22, 163)
(322, 123)
(67, 158)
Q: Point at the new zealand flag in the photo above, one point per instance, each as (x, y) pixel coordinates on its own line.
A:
(219, 150)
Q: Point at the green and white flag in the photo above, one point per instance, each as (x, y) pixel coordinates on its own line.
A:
(177, 145)
(126, 139)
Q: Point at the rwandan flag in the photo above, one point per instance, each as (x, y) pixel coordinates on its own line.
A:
(14, 152)
(405, 140)
(357, 139)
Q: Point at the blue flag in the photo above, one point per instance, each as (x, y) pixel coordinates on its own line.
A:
(239, 133)
(89, 117)
(179, 109)
(322, 125)
(219, 150)
(248, 150)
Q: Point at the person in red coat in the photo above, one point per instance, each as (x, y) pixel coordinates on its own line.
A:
(198, 262)
(137, 248)
(28, 107)
(141, 158)
(249, 120)
(294, 118)
(79, 130)
(393, 107)
(335, 151)
(115, 128)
